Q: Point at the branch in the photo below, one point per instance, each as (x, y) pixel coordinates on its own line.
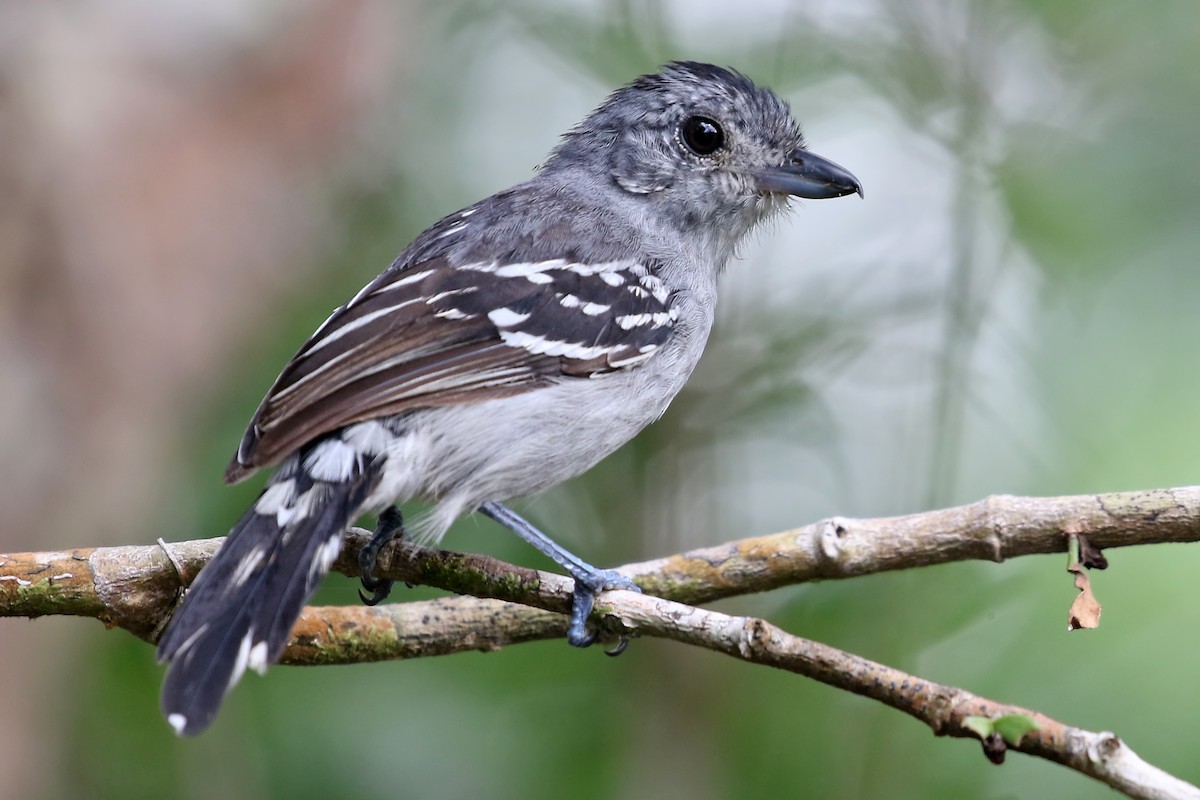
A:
(331, 635)
(135, 588)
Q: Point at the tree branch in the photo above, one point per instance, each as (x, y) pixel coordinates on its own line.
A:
(135, 588)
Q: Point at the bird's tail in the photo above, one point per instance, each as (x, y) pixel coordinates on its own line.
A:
(241, 608)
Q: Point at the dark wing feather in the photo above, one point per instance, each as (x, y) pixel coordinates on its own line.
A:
(434, 334)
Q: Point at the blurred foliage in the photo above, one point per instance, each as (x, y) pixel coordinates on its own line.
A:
(1027, 325)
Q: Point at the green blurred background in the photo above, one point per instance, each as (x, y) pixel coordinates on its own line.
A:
(189, 188)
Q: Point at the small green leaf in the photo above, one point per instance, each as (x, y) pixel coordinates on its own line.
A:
(981, 725)
(1013, 726)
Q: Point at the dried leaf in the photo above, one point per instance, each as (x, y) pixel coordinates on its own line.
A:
(1085, 610)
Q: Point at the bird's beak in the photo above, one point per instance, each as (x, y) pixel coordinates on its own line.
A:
(808, 175)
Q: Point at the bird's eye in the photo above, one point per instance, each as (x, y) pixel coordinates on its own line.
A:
(702, 135)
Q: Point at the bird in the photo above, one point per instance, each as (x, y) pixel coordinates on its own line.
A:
(511, 346)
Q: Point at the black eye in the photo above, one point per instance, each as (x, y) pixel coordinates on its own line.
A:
(702, 135)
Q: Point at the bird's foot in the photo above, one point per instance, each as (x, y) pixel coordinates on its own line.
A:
(588, 584)
(589, 580)
(390, 525)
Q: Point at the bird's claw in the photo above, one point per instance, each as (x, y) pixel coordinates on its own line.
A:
(391, 524)
(583, 598)
(379, 589)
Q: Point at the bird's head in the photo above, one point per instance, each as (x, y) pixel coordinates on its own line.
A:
(705, 147)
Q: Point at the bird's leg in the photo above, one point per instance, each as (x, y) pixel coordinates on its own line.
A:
(391, 524)
(589, 581)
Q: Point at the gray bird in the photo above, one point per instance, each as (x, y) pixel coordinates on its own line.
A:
(510, 347)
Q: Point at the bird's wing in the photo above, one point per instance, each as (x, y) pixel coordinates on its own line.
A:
(432, 333)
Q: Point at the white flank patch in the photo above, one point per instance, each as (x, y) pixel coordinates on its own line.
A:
(369, 438)
(332, 460)
(246, 568)
(178, 722)
(277, 497)
(258, 658)
(506, 317)
(402, 471)
(594, 309)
